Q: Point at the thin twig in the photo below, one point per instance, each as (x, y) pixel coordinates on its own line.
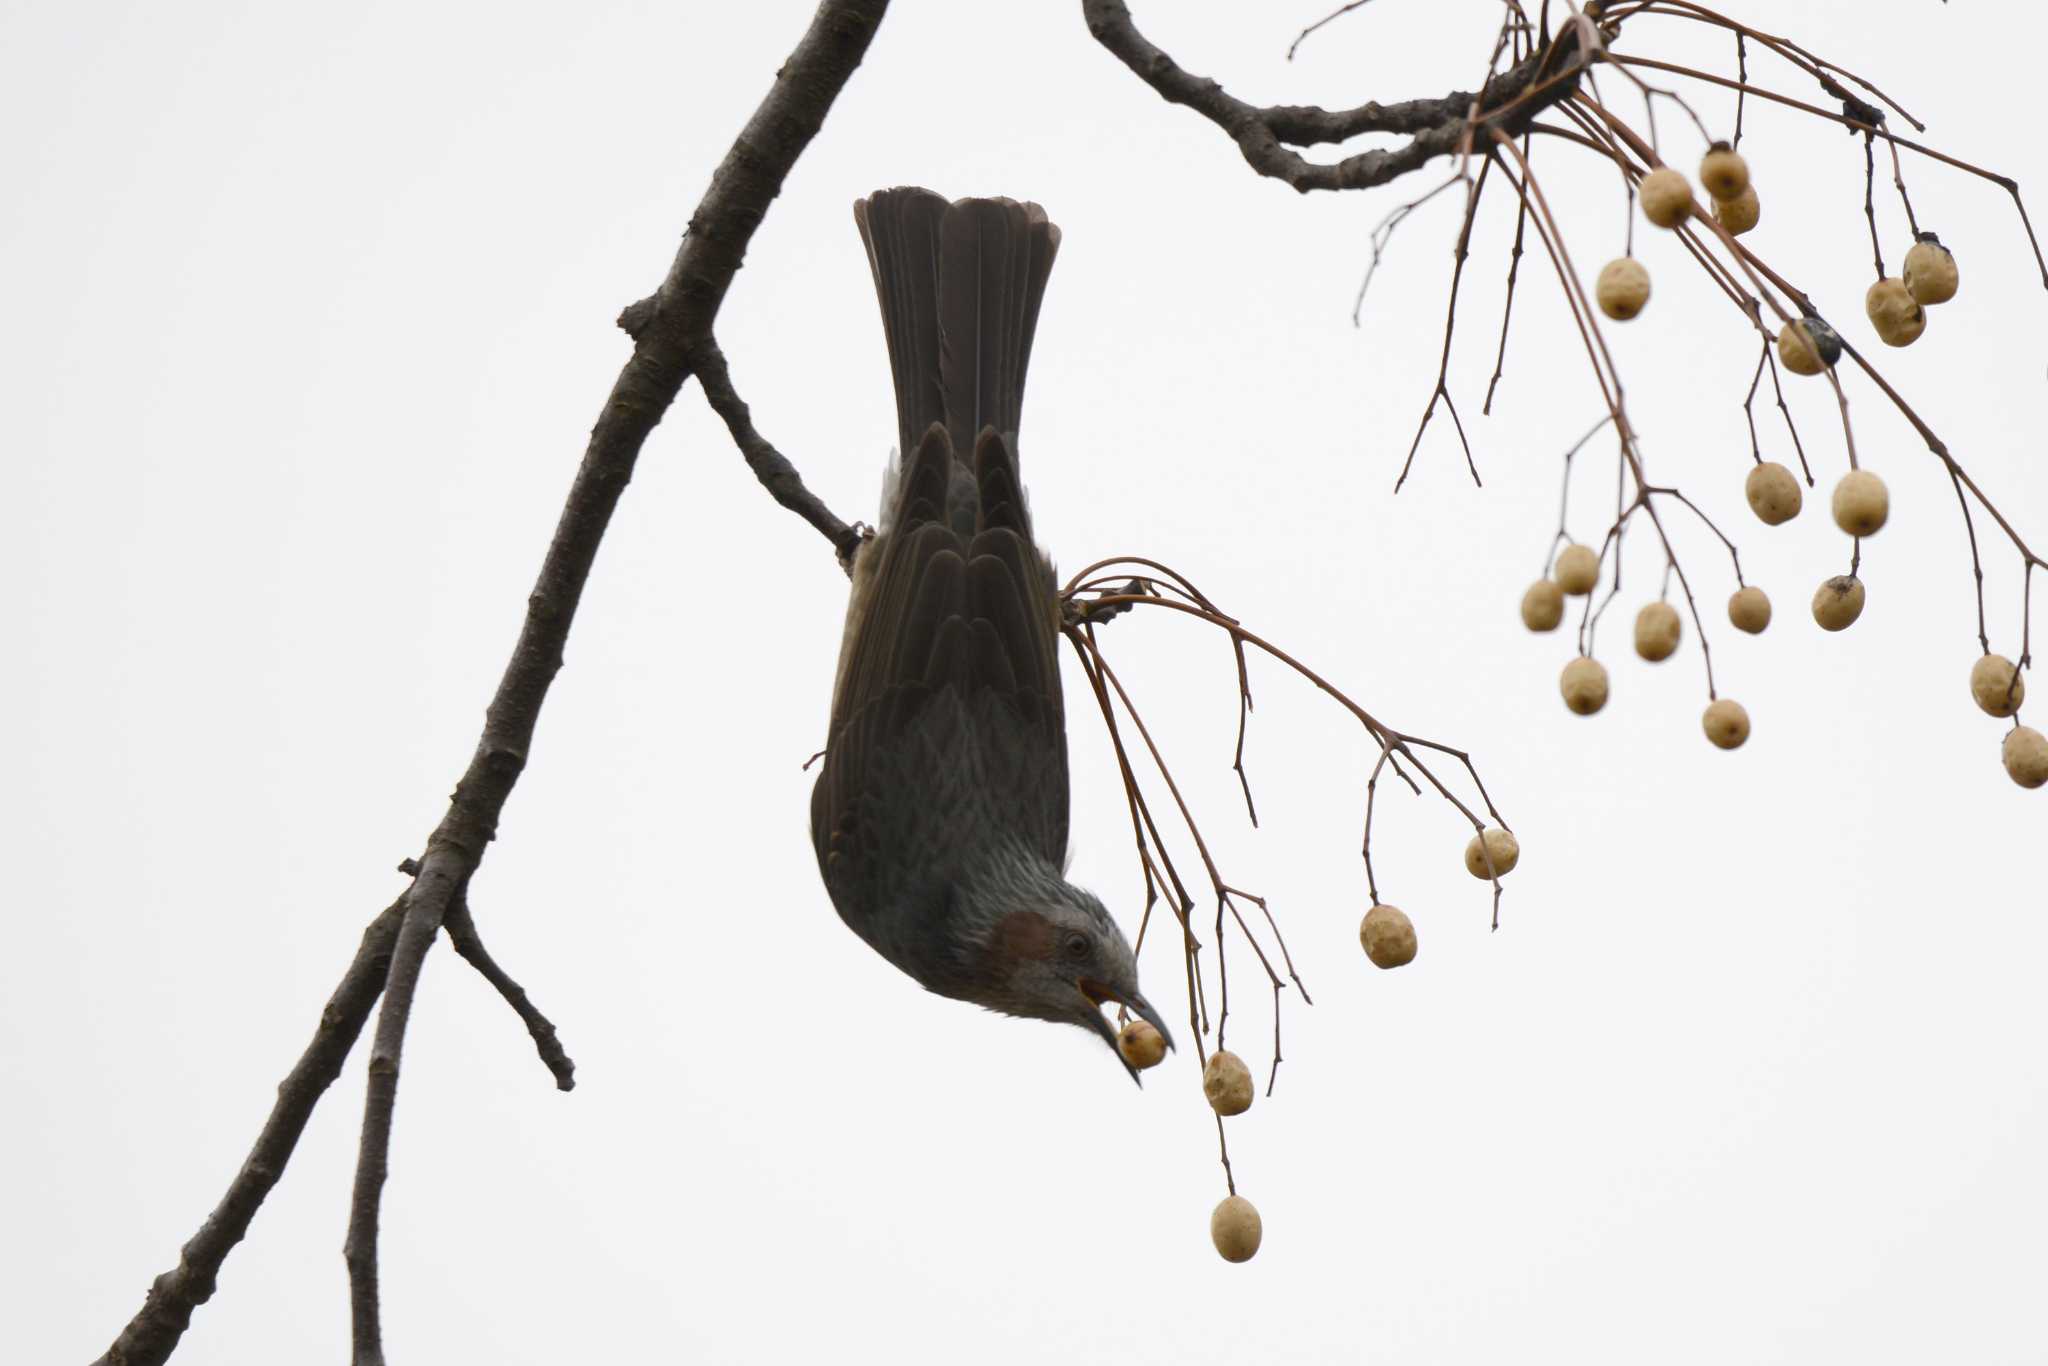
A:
(1459, 253)
(1335, 14)
(770, 466)
(2006, 183)
(1869, 203)
(1500, 356)
(461, 927)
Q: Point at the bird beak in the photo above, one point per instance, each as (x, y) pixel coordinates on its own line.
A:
(1098, 993)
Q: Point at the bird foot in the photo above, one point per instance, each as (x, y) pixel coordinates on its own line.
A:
(1077, 611)
(848, 550)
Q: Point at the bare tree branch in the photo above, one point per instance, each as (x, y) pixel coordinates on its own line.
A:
(1437, 127)
(425, 904)
(673, 331)
(670, 330)
(770, 466)
(153, 1333)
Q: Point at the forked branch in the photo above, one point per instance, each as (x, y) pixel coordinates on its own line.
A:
(672, 337)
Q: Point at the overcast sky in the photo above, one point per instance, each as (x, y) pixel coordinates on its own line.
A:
(307, 312)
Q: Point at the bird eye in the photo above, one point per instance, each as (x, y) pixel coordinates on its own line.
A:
(1076, 946)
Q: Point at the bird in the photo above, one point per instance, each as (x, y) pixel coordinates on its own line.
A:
(940, 811)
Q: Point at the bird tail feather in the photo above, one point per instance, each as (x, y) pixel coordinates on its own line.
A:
(960, 286)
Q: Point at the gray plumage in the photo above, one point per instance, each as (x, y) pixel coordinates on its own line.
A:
(940, 814)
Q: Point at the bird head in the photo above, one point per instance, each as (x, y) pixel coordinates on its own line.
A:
(1059, 956)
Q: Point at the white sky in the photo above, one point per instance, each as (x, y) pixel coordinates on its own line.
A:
(307, 313)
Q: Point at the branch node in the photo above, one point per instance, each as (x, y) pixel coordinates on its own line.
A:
(634, 317)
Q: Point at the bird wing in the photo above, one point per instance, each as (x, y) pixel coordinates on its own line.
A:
(948, 729)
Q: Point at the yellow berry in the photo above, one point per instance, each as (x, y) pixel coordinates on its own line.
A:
(1773, 493)
(2025, 752)
(1235, 1229)
(1861, 503)
(1504, 848)
(1584, 685)
(1838, 602)
(1578, 569)
(1749, 609)
(1227, 1082)
(1141, 1045)
(1667, 199)
(1997, 685)
(1623, 288)
(1894, 313)
(1930, 271)
(1723, 172)
(1725, 723)
(1657, 631)
(1388, 936)
(1807, 346)
(1543, 606)
(1739, 214)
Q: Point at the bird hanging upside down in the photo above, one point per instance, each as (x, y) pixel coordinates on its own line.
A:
(940, 815)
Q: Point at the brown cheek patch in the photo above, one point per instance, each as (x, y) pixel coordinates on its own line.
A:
(1024, 934)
